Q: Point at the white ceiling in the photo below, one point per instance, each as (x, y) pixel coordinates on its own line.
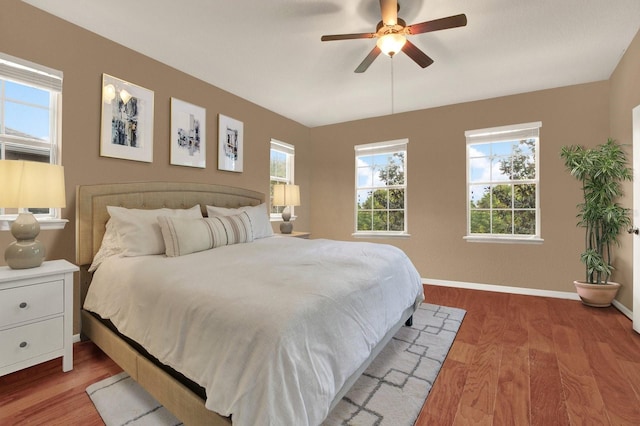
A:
(270, 53)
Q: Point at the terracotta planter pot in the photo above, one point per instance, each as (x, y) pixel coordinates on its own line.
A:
(597, 295)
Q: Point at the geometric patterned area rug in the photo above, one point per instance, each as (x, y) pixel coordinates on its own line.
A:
(120, 400)
(391, 391)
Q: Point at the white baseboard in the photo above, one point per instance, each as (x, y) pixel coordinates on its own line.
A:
(626, 311)
(504, 289)
(76, 338)
(519, 290)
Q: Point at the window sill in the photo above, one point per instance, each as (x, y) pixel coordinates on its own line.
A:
(503, 240)
(45, 223)
(380, 235)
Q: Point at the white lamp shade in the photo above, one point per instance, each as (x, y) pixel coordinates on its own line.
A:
(286, 195)
(29, 184)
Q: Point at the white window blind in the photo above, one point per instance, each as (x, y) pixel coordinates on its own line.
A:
(29, 73)
(504, 133)
(283, 147)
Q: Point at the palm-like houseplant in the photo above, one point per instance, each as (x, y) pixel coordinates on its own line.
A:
(601, 170)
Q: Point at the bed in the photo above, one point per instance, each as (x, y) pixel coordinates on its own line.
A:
(291, 329)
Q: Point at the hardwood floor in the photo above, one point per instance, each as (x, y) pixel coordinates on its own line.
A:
(44, 395)
(517, 360)
(524, 360)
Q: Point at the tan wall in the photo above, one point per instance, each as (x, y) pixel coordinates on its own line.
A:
(624, 96)
(31, 34)
(436, 185)
(325, 167)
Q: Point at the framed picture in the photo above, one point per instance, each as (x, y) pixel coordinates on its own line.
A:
(230, 134)
(127, 120)
(188, 134)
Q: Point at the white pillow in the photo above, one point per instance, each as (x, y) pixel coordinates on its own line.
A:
(138, 229)
(110, 246)
(183, 236)
(258, 215)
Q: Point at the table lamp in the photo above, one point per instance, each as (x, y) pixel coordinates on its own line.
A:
(29, 184)
(286, 195)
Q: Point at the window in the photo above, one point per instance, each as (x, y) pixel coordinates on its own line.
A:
(282, 162)
(381, 188)
(30, 104)
(503, 196)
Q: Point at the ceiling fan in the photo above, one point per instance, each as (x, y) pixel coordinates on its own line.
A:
(392, 34)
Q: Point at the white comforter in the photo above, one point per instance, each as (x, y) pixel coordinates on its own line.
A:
(271, 329)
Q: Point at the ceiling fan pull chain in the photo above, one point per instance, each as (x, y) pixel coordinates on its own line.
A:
(392, 89)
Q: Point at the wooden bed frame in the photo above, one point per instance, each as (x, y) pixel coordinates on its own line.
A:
(91, 218)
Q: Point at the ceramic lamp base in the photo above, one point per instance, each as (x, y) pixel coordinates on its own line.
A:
(26, 252)
(286, 227)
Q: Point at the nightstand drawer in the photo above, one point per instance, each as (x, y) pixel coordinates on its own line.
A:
(36, 315)
(30, 341)
(30, 302)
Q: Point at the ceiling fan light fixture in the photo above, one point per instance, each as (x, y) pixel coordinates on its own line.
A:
(391, 43)
(392, 32)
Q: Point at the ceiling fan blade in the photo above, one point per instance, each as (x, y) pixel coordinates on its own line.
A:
(368, 60)
(416, 54)
(389, 10)
(438, 24)
(346, 36)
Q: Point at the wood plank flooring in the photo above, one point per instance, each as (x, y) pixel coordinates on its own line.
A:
(517, 360)
(44, 395)
(524, 360)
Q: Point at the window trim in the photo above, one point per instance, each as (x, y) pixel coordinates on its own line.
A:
(31, 74)
(503, 134)
(507, 239)
(384, 147)
(290, 151)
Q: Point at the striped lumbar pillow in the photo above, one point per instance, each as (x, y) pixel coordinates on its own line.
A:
(183, 236)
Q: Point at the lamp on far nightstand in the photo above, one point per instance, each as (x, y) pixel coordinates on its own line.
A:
(29, 184)
(287, 196)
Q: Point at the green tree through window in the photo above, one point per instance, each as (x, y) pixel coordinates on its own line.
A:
(381, 189)
(503, 184)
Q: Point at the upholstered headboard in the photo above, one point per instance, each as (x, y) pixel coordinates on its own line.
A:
(92, 202)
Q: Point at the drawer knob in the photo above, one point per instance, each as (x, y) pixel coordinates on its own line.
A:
(23, 305)
(23, 344)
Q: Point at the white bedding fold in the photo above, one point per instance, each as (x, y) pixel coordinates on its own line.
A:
(271, 329)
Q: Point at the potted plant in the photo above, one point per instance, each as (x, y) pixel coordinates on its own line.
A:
(601, 170)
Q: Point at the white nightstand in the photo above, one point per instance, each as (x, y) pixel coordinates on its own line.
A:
(36, 315)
